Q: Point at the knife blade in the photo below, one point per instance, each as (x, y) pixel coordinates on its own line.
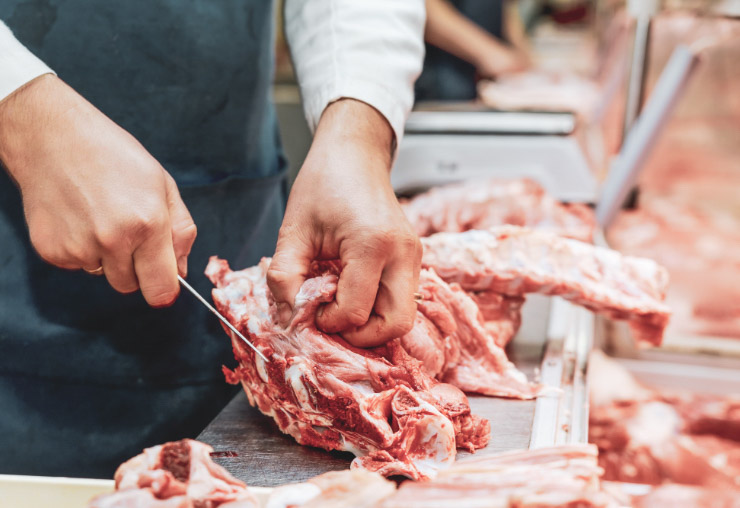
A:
(219, 316)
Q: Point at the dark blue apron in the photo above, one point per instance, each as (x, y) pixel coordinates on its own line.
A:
(89, 377)
(448, 78)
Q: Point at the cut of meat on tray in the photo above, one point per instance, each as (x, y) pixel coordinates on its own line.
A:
(382, 405)
(685, 496)
(646, 436)
(180, 474)
(513, 261)
(338, 489)
(547, 477)
(483, 204)
(541, 90)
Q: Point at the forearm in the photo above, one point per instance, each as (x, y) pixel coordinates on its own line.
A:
(449, 30)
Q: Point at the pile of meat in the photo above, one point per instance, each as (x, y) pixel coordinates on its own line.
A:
(483, 204)
(180, 474)
(400, 408)
(652, 437)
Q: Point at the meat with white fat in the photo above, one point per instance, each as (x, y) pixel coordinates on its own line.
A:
(180, 474)
(483, 204)
(383, 405)
(513, 261)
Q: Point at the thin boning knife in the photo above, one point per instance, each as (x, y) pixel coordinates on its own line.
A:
(219, 316)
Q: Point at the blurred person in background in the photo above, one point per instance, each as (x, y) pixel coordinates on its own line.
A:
(160, 120)
(468, 40)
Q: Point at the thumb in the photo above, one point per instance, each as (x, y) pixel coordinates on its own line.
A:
(288, 271)
(183, 227)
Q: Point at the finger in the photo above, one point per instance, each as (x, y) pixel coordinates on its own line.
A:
(118, 267)
(356, 291)
(156, 269)
(288, 271)
(183, 227)
(394, 310)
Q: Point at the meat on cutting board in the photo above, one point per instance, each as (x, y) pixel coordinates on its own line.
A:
(513, 261)
(180, 474)
(483, 204)
(383, 405)
(648, 436)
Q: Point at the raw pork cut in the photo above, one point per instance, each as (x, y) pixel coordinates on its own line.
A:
(338, 489)
(180, 474)
(382, 405)
(513, 261)
(541, 90)
(646, 436)
(544, 478)
(482, 204)
(547, 477)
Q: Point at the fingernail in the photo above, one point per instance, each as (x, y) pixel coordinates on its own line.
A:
(182, 266)
(284, 313)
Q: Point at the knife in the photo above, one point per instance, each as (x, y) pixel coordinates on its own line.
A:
(219, 316)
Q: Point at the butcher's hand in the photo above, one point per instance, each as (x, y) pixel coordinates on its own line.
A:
(342, 206)
(92, 195)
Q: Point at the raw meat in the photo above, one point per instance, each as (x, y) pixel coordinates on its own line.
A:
(513, 261)
(548, 477)
(541, 91)
(180, 474)
(645, 436)
(684, 496)
(338, 489)
(381, 405)
(482, 204)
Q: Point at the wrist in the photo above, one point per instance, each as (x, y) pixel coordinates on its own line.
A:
(353, 123)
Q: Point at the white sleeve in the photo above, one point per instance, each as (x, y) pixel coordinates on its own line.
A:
(18, 66)
(369, 50)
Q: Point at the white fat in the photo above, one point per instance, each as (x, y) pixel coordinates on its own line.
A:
(363, 387)
(259, 363)
(293, 376)
(654, 423)
(292, 495)
(350, 447)
(439, 434)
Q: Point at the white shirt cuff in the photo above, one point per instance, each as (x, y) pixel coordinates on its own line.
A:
(18, 66)
(373, 94)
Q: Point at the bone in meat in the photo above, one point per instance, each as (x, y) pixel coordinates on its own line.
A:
(386, 409)
(180, 474)
(515, 261)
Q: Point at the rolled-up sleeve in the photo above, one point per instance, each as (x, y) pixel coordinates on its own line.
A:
(18, 66)
(369, 50)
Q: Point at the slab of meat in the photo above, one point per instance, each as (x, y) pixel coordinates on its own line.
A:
(382, 405)
(645, 436)
(180, 474)
(548, 477)
(483, 204)
(684, 496)
(541, 91)
(513, 261)
(338, 489)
